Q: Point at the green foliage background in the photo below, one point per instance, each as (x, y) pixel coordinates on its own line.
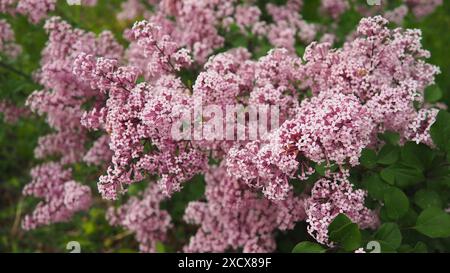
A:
(413, 181)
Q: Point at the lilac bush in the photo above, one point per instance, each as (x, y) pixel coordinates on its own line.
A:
(359, 124)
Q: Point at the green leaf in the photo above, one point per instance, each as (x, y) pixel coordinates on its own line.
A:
(308, 247)
(389, 236)
(440, 131)
(434, 223)
(376, 187)
(427, 199)
(388, 175)
(396, 203)
(323, 167)
(160, 248)
(338, 222)
(320, 168)
(401, 175)
(420, 247)
(388, 154)
(368, 158)
(405, 249)
(344, 232)
(417, 155)
(389, 137)
(433, 93)
(88, 227)
(409, 219)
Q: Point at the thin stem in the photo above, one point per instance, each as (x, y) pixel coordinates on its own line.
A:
(16, 224)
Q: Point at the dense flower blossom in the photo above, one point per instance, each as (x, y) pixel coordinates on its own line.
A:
(246, 16)
(277, 80)
(335, 8)
(62, 197)
(144, 217)
(194, 28)
(332, 104)
(225, 81)
(36, 10)
(234, 217)
(384, 68)
(226, 77)
(63, 95)
(356, 96)
(7, 6)
(139, 120)
(100, 152)
(160, 51)
(69, 145)
(397, 15)
(331, 196)
(8, 45)
(419, 128)
(287, 26)
(422, 8)
(327, 128)
(12, 113)
(419, 8)
(131, 9)
(61, 101)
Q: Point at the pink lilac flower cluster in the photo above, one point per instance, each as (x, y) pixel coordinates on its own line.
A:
(12, 113)
(397, 15)
(235, 218)
(132, 9)
(196, 23)
(7, 6)
(370, 85)
(194, 28)
(354, 92)
(421, 8)
(61, 102)
(360, 90)
(327, 128)
(331, 196)
(288, 26)
(232, 78)
(277, 81)
(385, 69)
(335, 8)
(136, 116)
(99, 153)
(138, 119)
(160, 51)
(332, 102)
(62, 197)
(64, 95)
(34, 10)
(144, 217)
(226, 80)
(8, 45)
